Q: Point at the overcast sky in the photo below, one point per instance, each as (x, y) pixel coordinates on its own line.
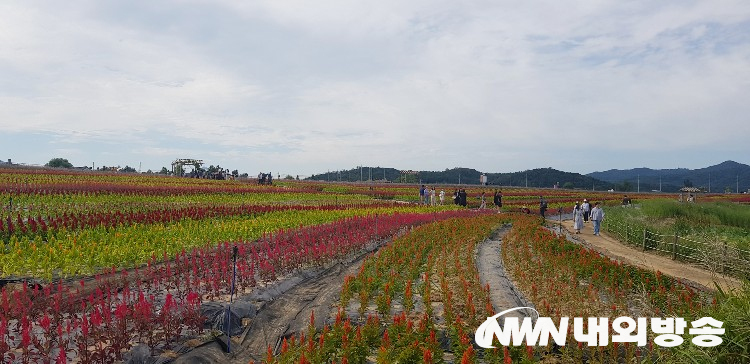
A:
(303, 87)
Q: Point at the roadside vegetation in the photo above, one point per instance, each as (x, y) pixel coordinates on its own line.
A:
(705, 221)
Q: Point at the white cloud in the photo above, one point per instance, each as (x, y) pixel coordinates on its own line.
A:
(423, 84)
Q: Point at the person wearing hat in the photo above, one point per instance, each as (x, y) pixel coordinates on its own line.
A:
(586, 209)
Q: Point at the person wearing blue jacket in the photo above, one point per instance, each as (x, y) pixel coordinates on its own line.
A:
(597, 215)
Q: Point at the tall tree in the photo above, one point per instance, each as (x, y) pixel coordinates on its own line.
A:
(59, 163)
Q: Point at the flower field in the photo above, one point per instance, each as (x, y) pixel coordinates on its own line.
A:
(418, 300)
(62, 225)
(96, 264)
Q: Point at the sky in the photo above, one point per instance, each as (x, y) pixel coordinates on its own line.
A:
(301, 87)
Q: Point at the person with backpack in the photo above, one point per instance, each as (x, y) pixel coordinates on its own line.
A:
(586, 208)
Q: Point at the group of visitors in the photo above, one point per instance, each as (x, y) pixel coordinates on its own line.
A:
(265, 178)
(428, 196)
(583, 212)
(459, 197)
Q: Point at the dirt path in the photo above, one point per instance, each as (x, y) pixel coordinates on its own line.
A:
(503, 292)
(284, 312)
(613, 248)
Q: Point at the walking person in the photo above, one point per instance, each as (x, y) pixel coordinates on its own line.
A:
(483, 201)
(421, 194)
(577, 218)
(432, 197)
(462, 197)
(586, 207)
(442, 197)
(542, 206)
(597, 215)
(498, 200)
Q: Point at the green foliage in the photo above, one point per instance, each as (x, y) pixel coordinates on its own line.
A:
(711, 221)
(59, 163)
(357, 174)
(700, 214)
(733, 309)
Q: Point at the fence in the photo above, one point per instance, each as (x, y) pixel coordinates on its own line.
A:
(713, 256)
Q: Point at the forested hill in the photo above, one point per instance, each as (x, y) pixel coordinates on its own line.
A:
(728, 176)
(548, 177)
(540, 177)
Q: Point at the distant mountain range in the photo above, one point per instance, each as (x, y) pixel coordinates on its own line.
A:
(727, 176)
(540, 177)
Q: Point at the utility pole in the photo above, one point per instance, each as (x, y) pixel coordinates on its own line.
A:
(360, 173)
(639, 183)
(709, 183)
(738, 183)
